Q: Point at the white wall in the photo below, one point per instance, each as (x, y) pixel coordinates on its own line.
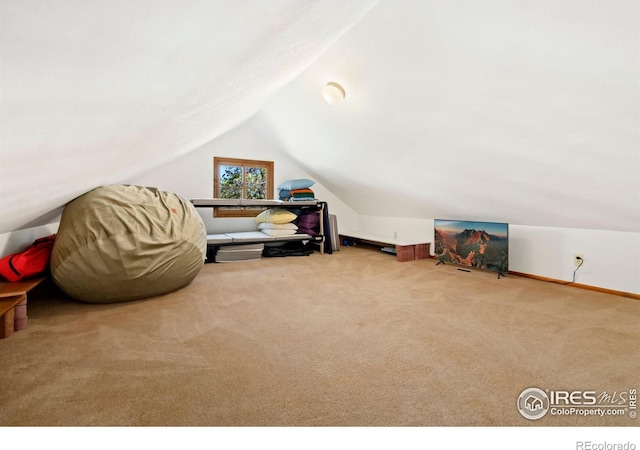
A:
(191, 176)
(101, 91)
(611, 258)
(397, 227)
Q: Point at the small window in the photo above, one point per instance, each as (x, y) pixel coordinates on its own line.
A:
(241, 179)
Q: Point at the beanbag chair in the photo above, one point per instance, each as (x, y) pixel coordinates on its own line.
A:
(118, 243)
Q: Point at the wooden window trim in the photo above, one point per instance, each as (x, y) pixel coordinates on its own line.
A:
(241, 212)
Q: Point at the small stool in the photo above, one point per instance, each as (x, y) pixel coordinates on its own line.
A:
(7, 314)
(20, 315)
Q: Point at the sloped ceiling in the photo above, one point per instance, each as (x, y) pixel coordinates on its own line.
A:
(508, 110)
(520, 111)
(95, 92)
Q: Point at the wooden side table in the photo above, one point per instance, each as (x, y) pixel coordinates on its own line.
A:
(13, 305)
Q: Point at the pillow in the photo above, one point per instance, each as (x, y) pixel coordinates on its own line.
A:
(276, 233)
(275, 215)
(301, 183)
(277, 226)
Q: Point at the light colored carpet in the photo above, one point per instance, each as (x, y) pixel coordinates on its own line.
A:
(353, 338)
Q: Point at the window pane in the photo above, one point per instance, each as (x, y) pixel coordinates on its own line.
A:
(256, 183)
(241, 179)
(230, 181)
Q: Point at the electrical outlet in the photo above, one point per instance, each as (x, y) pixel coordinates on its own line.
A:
(578, 259)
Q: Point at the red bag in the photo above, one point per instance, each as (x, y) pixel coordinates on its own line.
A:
(33, 261)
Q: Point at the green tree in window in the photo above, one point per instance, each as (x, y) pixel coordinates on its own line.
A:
(256, 183)
(230, 182)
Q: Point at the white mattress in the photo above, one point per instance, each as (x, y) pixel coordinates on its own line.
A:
(294, 237)
(252, 236)
(257, 247)
(249, 236)
(218, 239)
(245, 202)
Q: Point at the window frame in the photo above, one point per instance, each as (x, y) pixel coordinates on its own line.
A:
(221, 211)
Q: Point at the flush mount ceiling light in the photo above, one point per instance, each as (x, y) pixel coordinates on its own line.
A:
(333, 93)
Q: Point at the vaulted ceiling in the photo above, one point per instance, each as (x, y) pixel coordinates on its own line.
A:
(95, 92)
(520, 111)
(525, 112)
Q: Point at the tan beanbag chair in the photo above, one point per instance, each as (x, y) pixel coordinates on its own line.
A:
(118, 243)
